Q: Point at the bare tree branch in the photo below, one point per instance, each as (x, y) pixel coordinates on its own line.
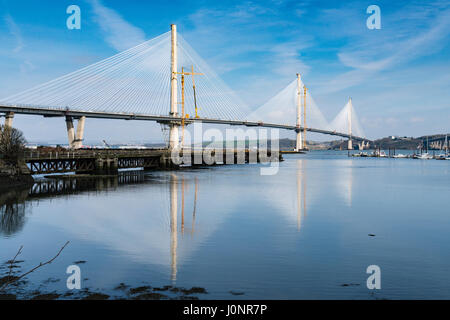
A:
(35, 268)
(14, 260)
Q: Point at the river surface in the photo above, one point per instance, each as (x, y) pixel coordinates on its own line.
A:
(308, 232)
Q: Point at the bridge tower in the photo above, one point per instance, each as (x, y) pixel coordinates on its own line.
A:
(350, 141)
(304, 116)
(174, 138)
(299, 139)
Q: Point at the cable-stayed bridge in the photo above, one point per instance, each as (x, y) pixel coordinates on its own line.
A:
(146, 83)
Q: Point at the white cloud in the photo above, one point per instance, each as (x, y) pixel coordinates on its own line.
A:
(286, 59)
(26, 66)
(119, 33)
(14, 31)
(245, 43)
(416, 119)
(370, 55)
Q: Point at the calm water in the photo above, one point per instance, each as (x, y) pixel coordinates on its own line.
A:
(300, 234)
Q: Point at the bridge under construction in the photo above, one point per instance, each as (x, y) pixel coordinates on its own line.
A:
(141, 83)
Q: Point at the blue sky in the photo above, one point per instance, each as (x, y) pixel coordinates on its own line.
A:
(398, 76)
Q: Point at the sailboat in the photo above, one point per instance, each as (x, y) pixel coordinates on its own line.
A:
(446, 144)
(445, 155)
(400, 155)
(425, 156)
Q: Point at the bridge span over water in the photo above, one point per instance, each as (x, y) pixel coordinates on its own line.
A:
(57, 112)
(142, 83)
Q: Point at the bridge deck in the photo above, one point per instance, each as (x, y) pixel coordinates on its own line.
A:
(108, 161)
(57, 112)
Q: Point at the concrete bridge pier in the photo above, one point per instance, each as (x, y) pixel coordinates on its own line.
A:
(166, 163)
(298, 140)
(9, 116)
(106, 166)
(78, 142)
(350, 144)
(70, 131)
(75, 139)
(362, 145)
(174, 137)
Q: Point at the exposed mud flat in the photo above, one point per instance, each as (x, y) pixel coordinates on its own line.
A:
(21, 288)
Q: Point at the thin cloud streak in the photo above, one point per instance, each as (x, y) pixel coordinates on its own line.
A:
(14, 31)
(119, 33)
(251, 32)
(366, 62)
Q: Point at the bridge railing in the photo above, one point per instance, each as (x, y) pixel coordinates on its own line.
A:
(37, 155)
(83, 154)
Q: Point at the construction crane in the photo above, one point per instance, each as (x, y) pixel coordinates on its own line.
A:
(106, 144)
(184, 116)
(193, 87)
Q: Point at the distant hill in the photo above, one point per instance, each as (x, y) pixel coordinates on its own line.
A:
(408, 143)
(405, 143)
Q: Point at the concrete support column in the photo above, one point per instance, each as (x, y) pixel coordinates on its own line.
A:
(70, 131)
(298, 140)
(78, 142)
(9, 116)
(174, 137)
(106, 166)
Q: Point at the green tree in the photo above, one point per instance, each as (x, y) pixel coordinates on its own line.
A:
(12, 144)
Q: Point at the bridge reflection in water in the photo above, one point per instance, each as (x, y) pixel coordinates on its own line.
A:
(161, 224)
(13, 208)
(73, 185)
(15, 203)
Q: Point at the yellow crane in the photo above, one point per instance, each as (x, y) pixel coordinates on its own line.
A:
(184, 116)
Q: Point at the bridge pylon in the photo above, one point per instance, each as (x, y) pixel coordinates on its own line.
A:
(299, 139)
(350, 141)
(174, 135)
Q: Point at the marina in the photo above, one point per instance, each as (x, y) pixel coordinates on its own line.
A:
(407, 154)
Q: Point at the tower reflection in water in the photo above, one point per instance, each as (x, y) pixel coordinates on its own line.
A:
(344, 181)
(339, 181)
(301, 192)
(174, 185)
(156, 236)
